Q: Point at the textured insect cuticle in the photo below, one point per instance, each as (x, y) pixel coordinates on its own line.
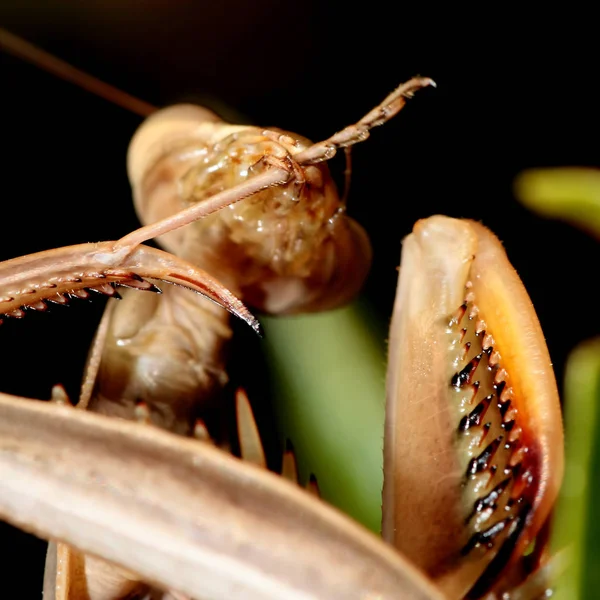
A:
(493, 474)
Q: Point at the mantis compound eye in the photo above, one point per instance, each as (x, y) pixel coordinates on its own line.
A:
(474, 439)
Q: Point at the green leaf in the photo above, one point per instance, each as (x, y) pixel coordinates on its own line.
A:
(329, 387)
(576, 525)
(569, 193)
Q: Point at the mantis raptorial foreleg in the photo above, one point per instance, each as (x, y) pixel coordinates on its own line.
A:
(474, 437)
(184, 515)
(32, 281)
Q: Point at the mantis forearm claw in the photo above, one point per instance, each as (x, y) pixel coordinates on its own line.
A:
(55, 275)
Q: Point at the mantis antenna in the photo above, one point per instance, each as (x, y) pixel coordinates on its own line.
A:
(22, 49)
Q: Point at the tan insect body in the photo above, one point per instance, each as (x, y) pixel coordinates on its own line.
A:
(473, 421)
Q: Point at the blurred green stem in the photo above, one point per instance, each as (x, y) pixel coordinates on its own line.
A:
(569, 193)
(329, 388)
(575, 524)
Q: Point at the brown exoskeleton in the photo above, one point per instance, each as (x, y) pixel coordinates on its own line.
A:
(184, 516)
(274, 231)
(469, 371)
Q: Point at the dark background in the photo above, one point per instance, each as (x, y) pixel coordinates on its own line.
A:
(513, 92)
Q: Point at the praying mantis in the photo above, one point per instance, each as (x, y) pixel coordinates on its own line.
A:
(432, 592)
